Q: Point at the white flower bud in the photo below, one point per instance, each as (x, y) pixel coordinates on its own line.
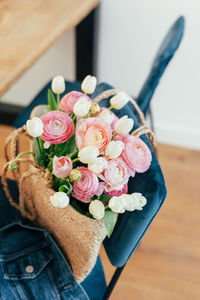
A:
(58, 84)
(129, 203)
(59, 199)
(75, 175)
(116, 204)
(98, 165)
(97, 209)
(114, 149)
(89, 84)
(82, 107)
(107, 116)
(94, 109)
(34, 127)
(119, 100)
(88, 154)
(124, 125)
(139, 200)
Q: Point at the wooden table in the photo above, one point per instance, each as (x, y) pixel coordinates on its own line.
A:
(29, 27)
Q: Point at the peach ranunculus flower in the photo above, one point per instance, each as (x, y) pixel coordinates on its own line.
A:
(68, 101)
(93, 132)
(62, 166)
(116, 175)
(86, 187)
(58, 127)
(136, 154)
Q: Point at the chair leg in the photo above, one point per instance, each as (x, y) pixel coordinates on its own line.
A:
(113, 282)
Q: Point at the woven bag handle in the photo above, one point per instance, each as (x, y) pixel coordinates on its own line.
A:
(143, 129)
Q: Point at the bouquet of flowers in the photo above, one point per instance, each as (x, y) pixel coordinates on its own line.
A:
(88, 152)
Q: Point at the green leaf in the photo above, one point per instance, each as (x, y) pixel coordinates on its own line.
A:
(40, 155)
(110, 219)
(66, 148)
(105, 198)
(52, 101)
(66, 188)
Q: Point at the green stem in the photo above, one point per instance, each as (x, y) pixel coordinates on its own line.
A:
(25, 152)
(42, 150)
(58, 101)
(114, 134)
(110, 107)
(75, 160)
(73, 153)
(74, 118)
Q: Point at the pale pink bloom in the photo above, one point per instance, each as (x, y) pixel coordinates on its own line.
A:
(118, 193)
(86, 187)
(58, 127)
(136, 154)
(68, 101)
(46, 145)
(93, 132)
(112, 125)
(116, 175)
(62, 166)
(101, 188)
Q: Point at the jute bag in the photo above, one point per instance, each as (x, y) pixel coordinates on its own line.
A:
(78, 236)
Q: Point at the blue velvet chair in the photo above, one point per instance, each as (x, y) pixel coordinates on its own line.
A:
(131, 226)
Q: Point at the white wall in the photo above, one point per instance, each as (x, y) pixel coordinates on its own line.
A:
(129, 35)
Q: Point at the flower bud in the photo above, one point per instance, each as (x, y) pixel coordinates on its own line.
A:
(59, 199)
(97, 209)
(34, 127)
(88, 154)
(82, 107)
(129, 203)
(94, 109)
(62, 166)
(114, 149)
(13, 166)
(98, 165)
(139, 200)
(58, 84)
(75, 175)
(119, 100)
(124, 125)
(107, 116)
(89, 84)
(116, 204)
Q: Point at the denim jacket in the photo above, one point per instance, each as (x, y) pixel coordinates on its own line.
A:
(32, 267)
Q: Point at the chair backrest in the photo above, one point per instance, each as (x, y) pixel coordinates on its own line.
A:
(165, 53)
(131, 226)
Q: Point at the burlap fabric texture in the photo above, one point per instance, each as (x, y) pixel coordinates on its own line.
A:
(78, 236)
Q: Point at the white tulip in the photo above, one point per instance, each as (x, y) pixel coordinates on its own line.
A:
(124, 125)
(114, 149)
(97, 209)
(89, 84)
(129, 203)
(98, 165)
(107, 116)
(116, 204)
(59, 199)
(88, 154)
(139, 200)
(58, 84)
(82, 107)
(119, 100)
(34, 127)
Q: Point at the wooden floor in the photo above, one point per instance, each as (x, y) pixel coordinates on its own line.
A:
(167, 264)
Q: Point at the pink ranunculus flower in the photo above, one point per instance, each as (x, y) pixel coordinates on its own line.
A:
(136, 154)
(58, 127)
(93, 132)
(118, 193)
(62, 166)
(116, 175)
(67, 102)
(86, 187)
